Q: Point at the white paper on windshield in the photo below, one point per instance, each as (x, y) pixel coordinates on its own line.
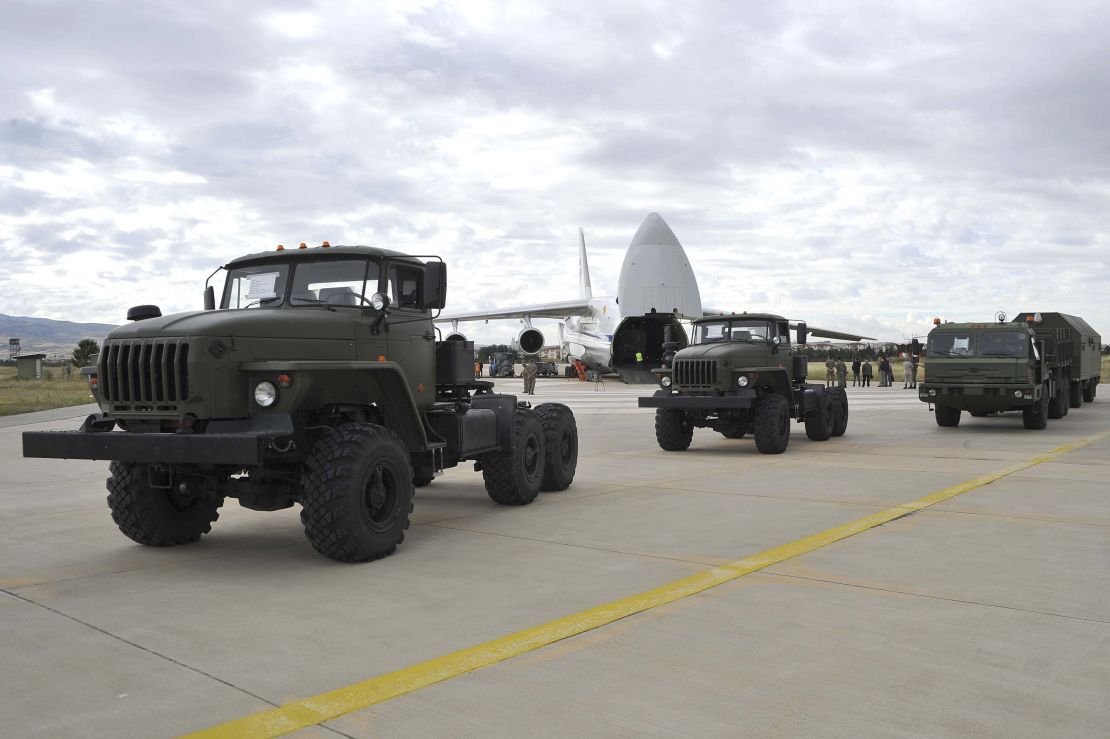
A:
(961, 342)
(262, 285)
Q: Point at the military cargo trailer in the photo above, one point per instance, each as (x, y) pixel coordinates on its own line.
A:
(1077, 351)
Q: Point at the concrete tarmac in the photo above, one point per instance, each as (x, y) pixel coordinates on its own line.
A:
(985, 615)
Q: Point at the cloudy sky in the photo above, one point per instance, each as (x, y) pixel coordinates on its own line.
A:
(867, 167)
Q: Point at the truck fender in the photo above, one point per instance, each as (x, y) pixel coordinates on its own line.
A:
(364, 383)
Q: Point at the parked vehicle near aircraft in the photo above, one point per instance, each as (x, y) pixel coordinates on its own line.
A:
(1042, 364)
(739, 377)
(318, 381)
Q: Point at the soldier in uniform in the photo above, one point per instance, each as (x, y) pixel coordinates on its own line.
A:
(855, 371)
(907, 372)
(841, 373)
(867, 372)
(529, 375)
(830, 371)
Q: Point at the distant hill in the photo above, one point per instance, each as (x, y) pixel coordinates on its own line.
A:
(47, 336)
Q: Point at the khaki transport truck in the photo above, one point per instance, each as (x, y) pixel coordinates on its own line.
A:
(741, 376)
(318, 381)
(1042, 364)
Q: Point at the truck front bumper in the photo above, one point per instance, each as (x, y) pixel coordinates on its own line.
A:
(743, 399)
(978, 397)
(240, 442)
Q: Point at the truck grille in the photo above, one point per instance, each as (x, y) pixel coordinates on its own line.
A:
(144, 371)
(695, 373)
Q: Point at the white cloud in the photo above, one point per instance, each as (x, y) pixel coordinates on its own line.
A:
(869, 167)
(294, 25)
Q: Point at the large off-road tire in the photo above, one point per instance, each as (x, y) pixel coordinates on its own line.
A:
(673, 430)
(1089, 390)
(840, 411)
(514, 476)
(356, 493)
(560, 436)
(772, 424)
(820, 420)
(1036, 416)
(733, 431)
(1075, 393)
(947, 416)
(157, 517)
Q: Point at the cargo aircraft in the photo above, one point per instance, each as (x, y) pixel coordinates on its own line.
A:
(656, 291)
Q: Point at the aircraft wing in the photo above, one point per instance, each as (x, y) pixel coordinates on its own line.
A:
(827, 334)
(561, 309)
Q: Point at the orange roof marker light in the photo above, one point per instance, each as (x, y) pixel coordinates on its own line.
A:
(325, 245)
(303, 246)
(936, 321)
(280, 247)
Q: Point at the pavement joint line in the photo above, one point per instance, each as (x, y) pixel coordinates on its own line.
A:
(136, 645)
(323, 707)
(946, 598)
(576, 546)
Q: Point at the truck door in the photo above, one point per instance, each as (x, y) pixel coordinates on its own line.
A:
(410, 340)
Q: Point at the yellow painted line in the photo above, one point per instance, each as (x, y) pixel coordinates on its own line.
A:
(326, 706)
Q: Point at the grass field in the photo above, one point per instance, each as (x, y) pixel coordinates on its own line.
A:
(23, 396)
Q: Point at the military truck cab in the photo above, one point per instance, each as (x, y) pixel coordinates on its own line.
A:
(741, 375)
(318, 380)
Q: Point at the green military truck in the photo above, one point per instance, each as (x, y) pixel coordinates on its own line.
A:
(318, 381)
(1039, 363)
(741, 376)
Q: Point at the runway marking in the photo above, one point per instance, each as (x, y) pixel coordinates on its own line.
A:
(335, 703)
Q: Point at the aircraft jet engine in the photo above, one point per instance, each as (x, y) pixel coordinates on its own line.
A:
(530, 340)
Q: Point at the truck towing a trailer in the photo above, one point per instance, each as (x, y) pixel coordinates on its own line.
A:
(318, 381)
(1040, 363)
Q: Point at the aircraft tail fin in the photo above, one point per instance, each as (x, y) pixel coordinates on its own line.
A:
(585, 291)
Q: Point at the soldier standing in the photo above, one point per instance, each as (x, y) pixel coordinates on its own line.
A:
(916, 362)
(830, 371)
(841, 373)
(855, 371)
(867, 372)
(529, 375)
(907, 372)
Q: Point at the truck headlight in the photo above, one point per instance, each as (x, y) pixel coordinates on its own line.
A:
(665, 380)
(932, 392)
(265, 394)
(1017, 393)
(742, 380)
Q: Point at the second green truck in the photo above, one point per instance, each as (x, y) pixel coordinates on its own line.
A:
(1042, 364)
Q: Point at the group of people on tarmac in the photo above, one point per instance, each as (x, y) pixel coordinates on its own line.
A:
(528, 373)
(836, 372)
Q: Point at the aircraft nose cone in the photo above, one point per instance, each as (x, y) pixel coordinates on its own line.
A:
(654, 231)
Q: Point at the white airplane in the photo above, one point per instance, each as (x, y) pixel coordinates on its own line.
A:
(656, 289)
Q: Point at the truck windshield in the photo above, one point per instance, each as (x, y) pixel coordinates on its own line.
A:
(741, 329)
(950, 344)
(1003, 344)
(340, 282)
(253, 287)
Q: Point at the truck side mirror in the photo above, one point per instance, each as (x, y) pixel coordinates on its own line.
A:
(802, 332)
(209, 298)
(434, 293)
